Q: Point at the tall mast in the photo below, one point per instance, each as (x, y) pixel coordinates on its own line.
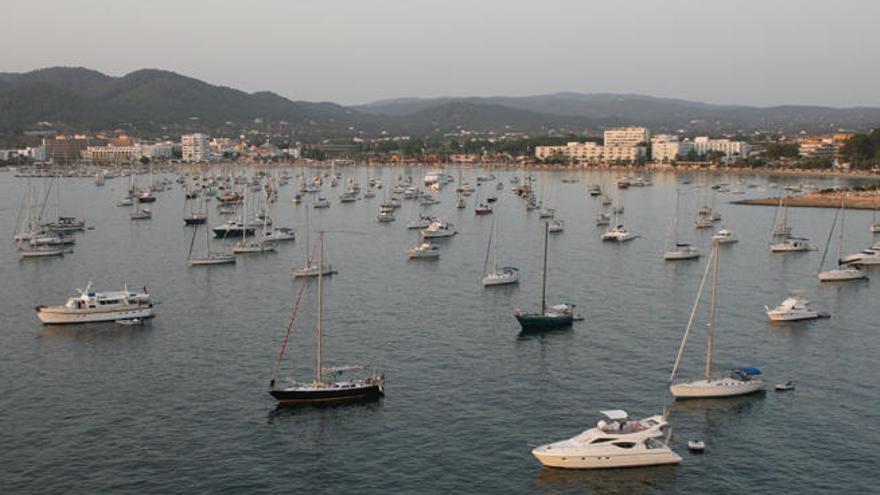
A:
(675, 220)
(308, 255)
(544, 278)
(842, 223)
(320, 306)
(711, 325)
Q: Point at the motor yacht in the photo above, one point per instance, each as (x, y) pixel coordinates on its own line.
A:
(618, 442)
(280, 234)
(439, 229)
(424, 250)
(795, 308)
(91, 306)
(725, 236)
(870, 256)
(618, 234)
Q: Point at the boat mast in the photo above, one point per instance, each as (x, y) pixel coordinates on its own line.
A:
(842, 224)
(690, 323)
(308, 255)
(320, 307)
(711, 324)
(544, 277)
(675, 221)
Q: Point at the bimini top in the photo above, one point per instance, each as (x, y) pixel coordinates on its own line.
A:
(750, 371)
(615, 414)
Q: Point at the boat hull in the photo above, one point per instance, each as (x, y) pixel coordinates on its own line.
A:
(574, 461)
(542, 322)
(50, 317)
(842, 275)
(330, 395)
(716, 389)
(217, 260)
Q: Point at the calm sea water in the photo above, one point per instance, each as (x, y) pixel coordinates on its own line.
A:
(180, 405)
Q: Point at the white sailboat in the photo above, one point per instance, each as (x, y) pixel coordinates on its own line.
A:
(844, 271)
(781, 240)
(210, 257)
(500, 275)
(312, 269)
(679, 250)
(740, 381)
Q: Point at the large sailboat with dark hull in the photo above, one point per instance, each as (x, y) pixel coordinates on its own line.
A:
(550, 317)
(329, 385)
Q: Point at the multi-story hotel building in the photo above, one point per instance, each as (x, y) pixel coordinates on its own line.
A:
(194, 147)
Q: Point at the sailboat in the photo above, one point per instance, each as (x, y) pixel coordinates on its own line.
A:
(260, 244)
(210, 257)
(844, 271)
(321, 390)
(140, 213)
(500, 275)
(781, 240)
(310, 269)
(679, 250)
(558, 316)
(740, 381)
(193, 216)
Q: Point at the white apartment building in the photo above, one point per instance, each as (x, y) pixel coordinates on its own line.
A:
(588, 152)
(627, 136)
(112, 153)
(667, 147)
(614, 154)
(194, 147)
(703, 145)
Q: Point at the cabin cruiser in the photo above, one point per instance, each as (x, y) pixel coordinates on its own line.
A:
(322, 202)
(438, 229)
(741, 381)
(615, 443)
(794, 308)
(682, 251)
(725, 236)
(618, 234)
(234, 228)
(502, 276)
(424, 250)
(870, 256)
(91, 306)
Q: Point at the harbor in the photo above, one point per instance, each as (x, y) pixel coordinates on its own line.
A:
(184, 395)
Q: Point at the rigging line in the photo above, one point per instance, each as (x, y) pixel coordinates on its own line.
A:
(828, 242)
(287, 333)
(690, 323)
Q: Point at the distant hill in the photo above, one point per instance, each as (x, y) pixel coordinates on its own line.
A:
(153, 101)
(604, 109)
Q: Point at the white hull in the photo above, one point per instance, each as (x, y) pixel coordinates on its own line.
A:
(680, 255)
(313, 272)
(69, 317)
(784, 247)
(40, 253)
(724, 387)
(618, 238)
(652, 457)
(493, 280)
(842, 275)
(808, 315)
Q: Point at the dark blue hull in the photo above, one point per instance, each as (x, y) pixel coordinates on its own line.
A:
(541, 322)
(328, 396)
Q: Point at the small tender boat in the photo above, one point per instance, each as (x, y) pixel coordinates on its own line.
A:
(783, 387)
(696, 446)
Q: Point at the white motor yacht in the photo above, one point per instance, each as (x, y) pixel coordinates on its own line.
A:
(795, 308)
(725, 236)
(870, 256)
(91, 306)
(424, 250)
(618, 234)
(612, 444)
(438, 229)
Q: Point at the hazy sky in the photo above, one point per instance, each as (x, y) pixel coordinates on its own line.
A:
(761, 52)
